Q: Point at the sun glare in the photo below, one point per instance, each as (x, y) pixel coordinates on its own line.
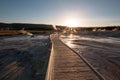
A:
(72, 23)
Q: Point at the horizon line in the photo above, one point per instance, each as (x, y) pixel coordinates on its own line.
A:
(57, 24)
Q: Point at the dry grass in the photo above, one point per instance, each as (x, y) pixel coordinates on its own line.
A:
(8, 32)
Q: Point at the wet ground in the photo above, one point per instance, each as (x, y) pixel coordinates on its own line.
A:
(24, 57)
(103, 53)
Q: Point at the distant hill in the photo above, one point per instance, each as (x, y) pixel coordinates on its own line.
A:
(19, 26)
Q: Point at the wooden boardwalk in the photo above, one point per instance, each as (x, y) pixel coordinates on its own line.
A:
(64, 64)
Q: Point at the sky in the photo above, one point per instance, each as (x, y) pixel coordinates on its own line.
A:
(57, 12)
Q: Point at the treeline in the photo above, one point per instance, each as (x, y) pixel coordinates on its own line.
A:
(19, 26)
(106, 28)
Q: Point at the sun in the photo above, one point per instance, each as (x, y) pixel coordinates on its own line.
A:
(71, 23)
